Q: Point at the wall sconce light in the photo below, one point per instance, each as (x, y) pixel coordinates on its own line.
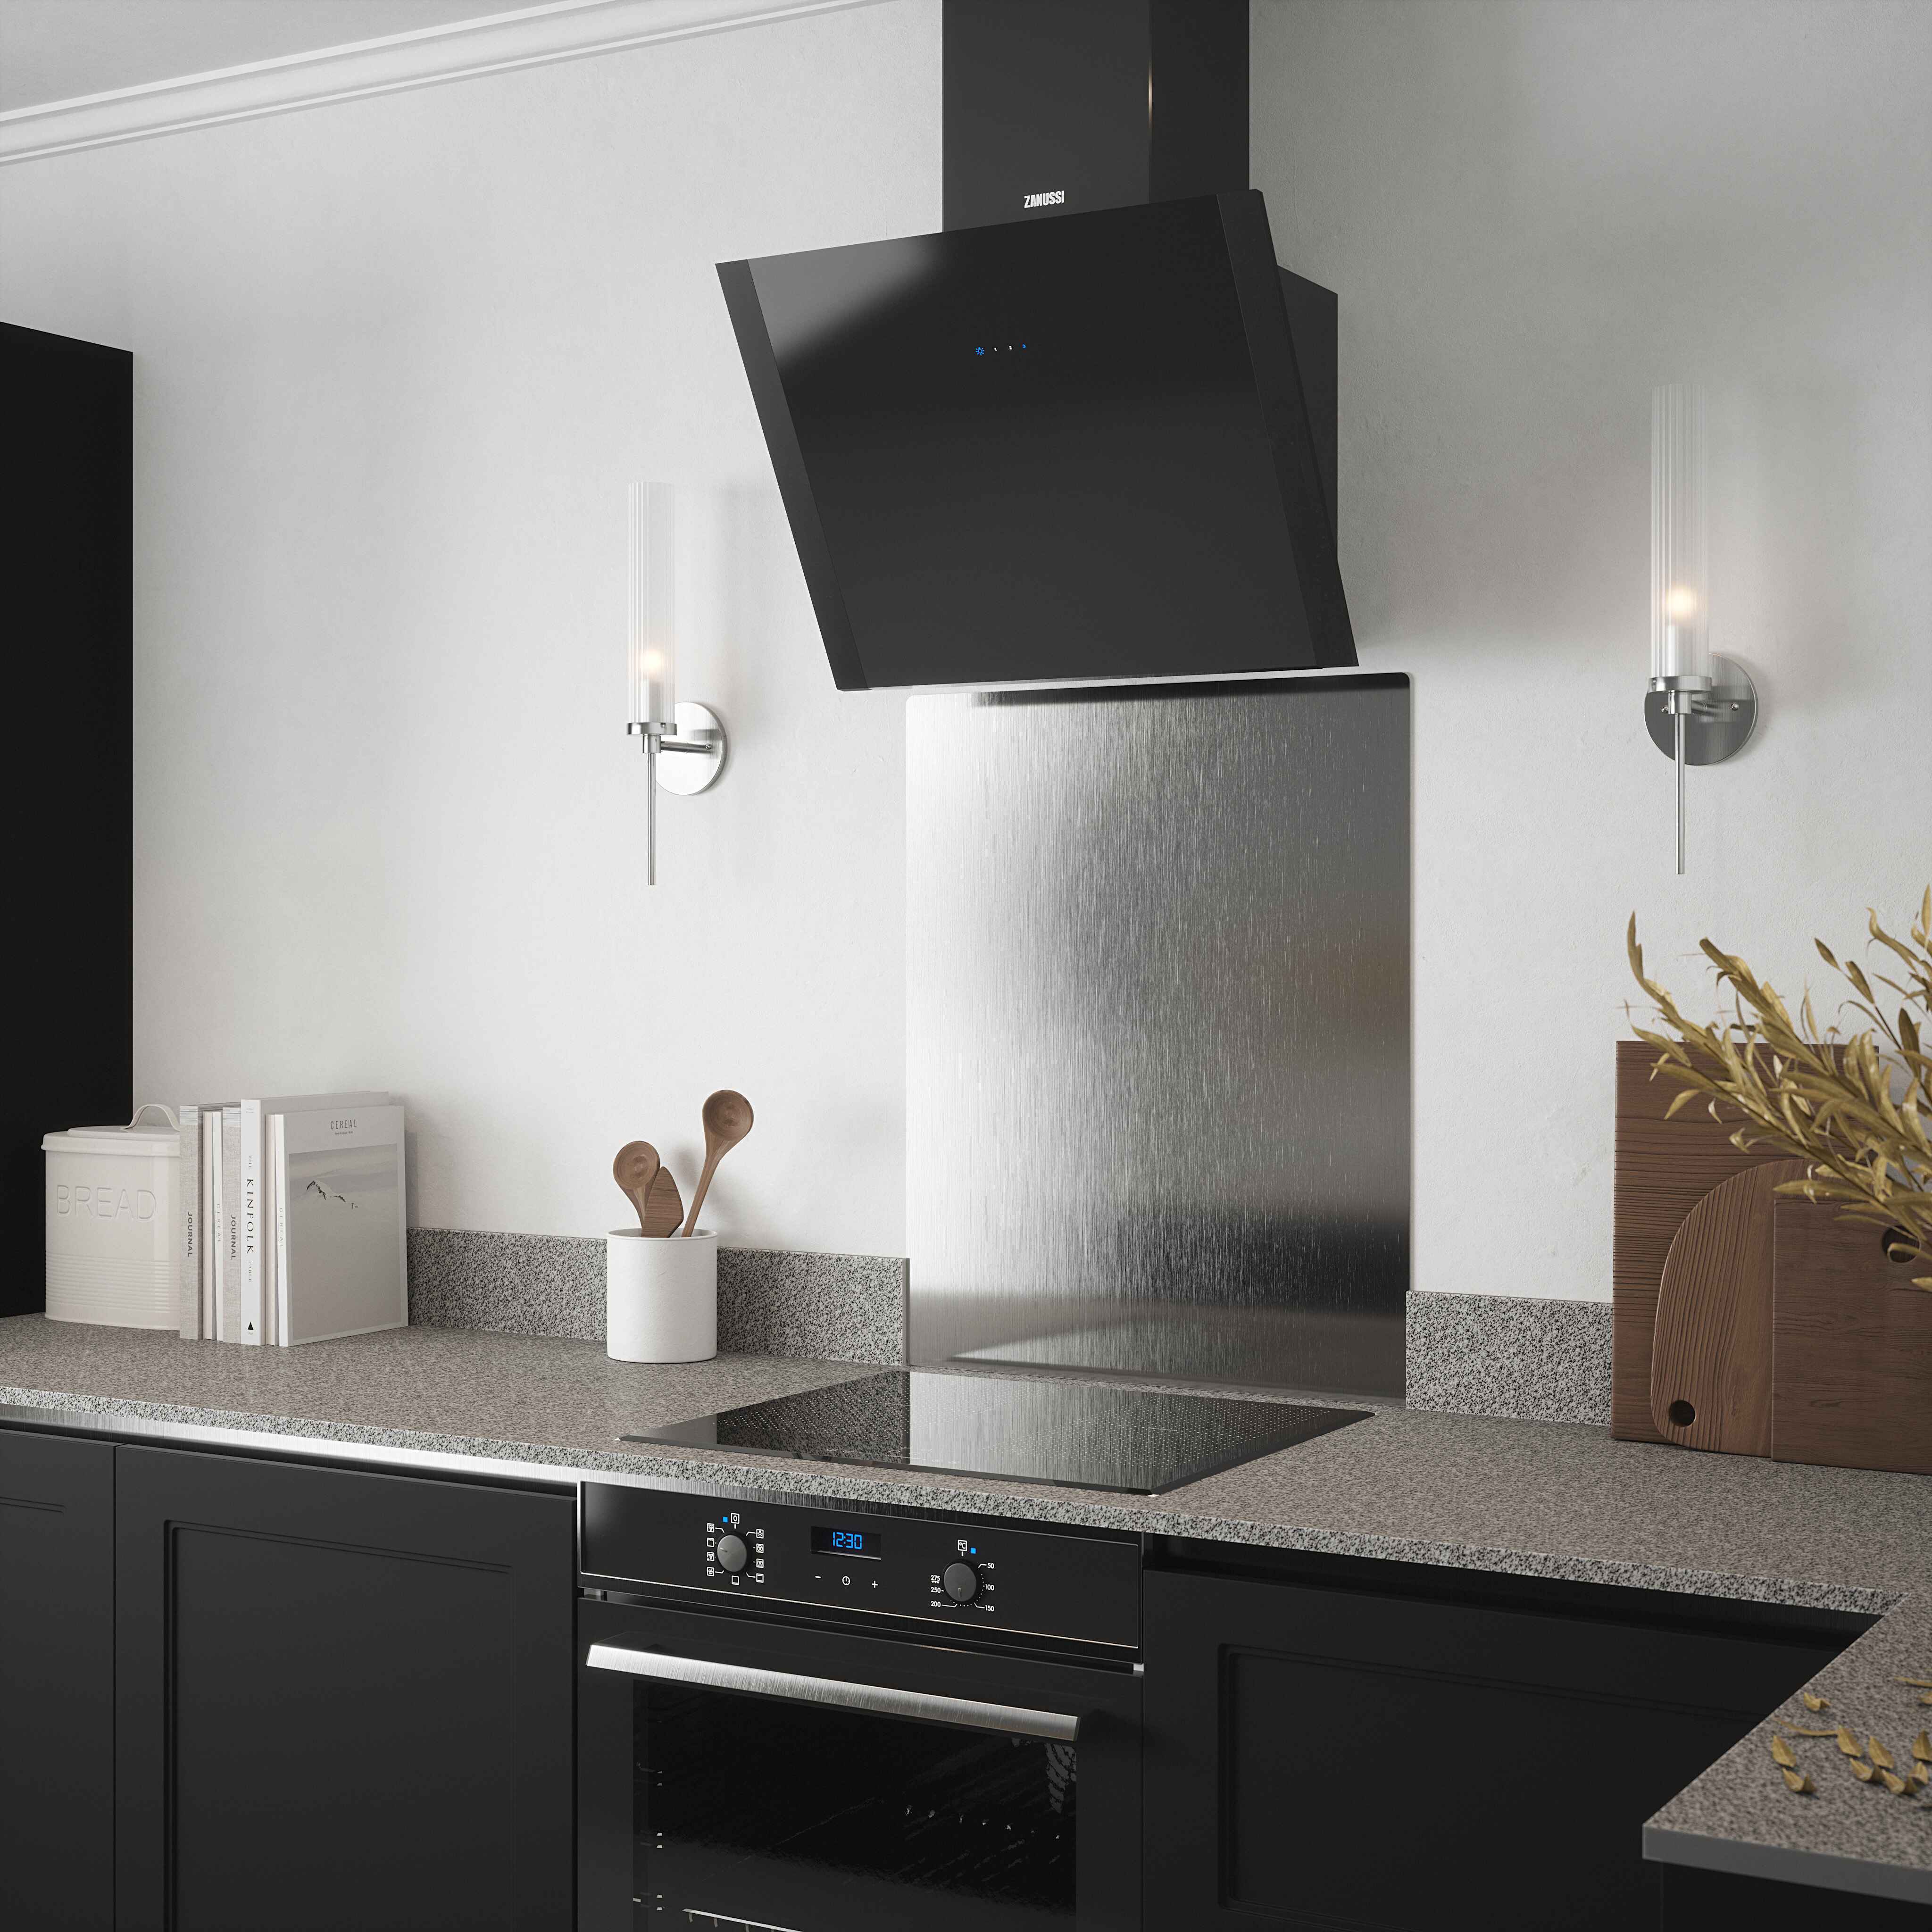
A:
(1700, 710)
(689, 735)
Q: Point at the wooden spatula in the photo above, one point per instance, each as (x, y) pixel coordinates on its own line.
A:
(1711, 1359)
(666, 1205)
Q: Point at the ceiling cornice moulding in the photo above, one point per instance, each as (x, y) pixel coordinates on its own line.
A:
(532, 36)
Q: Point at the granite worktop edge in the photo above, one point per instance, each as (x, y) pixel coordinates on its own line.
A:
(1152, 1517)
(1861, 1874)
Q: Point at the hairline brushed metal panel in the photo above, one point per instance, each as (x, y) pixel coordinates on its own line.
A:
(1158, 1030)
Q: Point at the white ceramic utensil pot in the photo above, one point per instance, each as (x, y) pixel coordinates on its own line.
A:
(660, 1297)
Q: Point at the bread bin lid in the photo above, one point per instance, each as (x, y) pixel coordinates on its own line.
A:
(130, 1138)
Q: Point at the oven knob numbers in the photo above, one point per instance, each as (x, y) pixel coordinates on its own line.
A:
(960, 1583)
(733, 1556)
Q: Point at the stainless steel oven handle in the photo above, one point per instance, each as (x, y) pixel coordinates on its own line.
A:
(877, 1698)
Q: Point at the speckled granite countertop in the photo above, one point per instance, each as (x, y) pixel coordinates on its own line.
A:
(1530, 1498)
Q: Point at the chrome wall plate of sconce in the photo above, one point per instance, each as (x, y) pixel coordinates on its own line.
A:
(1717, 721)
(692, 755)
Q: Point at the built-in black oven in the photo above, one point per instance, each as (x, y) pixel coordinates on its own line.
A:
(794, 1718)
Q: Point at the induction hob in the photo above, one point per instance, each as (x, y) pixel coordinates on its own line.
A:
(1079, 1436)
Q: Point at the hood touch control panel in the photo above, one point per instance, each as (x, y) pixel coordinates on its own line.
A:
(997, 1579)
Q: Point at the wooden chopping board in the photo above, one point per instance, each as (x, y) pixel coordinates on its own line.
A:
(1663, 1169)
(1710, 1351)
(1852, 1347)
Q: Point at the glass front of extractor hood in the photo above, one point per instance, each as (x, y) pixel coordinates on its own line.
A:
(1061, 450)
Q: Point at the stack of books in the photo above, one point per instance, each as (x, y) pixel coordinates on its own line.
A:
(292, 1218)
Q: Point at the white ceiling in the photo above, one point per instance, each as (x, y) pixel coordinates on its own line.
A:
(57, 49)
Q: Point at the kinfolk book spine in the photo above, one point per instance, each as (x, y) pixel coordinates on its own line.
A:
(248, 1227)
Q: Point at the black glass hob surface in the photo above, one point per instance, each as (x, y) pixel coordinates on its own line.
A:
(1142, 1441)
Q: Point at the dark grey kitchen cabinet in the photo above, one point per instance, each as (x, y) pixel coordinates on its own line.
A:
(56, 1683)
(1321, 1753)
(343, 1699)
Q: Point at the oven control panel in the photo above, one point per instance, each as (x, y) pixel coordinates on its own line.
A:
(1017, 1580)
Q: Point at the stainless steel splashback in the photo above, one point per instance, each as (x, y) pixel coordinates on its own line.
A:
(1158, 1063)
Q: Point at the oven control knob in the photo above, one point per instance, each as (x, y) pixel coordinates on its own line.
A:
(960, 1583)
(732, 1553)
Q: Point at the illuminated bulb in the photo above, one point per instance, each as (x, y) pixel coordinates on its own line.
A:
(653, 607)
(1680, 604)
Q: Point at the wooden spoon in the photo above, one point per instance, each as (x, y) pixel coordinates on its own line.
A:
(728, 1120)
(634, 1170)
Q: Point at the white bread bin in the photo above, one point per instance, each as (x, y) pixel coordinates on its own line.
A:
(111, 1253)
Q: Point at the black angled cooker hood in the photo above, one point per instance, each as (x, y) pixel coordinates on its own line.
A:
(1088, 430)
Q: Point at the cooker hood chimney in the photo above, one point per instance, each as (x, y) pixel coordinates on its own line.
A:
(1087, 431)
(1112, 102)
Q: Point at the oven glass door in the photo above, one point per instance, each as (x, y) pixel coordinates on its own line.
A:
(906, 1786)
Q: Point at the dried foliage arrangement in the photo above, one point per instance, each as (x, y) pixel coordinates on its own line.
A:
(1855, 1108)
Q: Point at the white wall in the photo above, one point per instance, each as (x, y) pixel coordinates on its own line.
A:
(1532, 213)
(396, 361)
(398, 358)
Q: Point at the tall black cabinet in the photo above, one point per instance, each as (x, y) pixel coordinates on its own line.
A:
(67, 785)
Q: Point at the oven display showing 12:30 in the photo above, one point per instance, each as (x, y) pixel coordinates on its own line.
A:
(863, 1544)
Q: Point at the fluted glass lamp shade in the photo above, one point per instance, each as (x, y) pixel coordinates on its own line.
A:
(653, 606)
(1680, 556)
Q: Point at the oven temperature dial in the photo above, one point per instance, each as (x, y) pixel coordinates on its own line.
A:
(960, 1583)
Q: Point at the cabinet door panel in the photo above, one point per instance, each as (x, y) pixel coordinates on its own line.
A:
(56, 1683)
(345, 1700)
(1435, 1780)
(1332, 1759)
